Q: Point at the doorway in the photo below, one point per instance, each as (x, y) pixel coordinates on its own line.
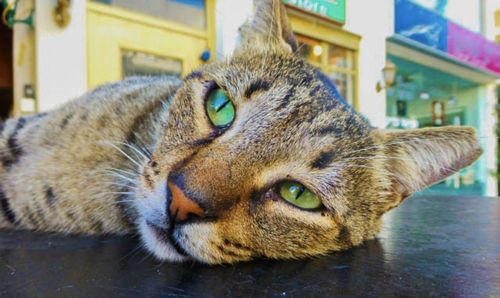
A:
(6, 72)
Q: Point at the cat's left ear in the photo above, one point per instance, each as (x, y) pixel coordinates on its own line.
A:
(268, 29)
(418, 158)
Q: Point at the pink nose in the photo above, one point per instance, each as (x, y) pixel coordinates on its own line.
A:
(181, 206)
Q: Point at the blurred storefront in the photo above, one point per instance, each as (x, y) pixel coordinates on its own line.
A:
(68, 47)
(497, 23)
(6, 77)
(493, 20)
(446, 75)
(73, 46)
(323, 42)
(334, 36)
(444, 70)
(163, 37)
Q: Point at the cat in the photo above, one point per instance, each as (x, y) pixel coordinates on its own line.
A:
(255, 156)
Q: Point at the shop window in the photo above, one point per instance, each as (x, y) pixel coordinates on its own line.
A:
(187, 12)
(141, 64)
(335, 61)
(340, 57)
(310, 49)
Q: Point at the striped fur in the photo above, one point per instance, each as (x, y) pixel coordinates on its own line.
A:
(100, 163)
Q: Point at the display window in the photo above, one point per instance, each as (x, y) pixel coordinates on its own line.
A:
(337, 62)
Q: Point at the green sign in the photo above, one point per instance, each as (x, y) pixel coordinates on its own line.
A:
(331, 9)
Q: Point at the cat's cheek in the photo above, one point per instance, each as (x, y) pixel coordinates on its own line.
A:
(199, 241)
(160, 249)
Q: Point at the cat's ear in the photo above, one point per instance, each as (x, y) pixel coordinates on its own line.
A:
(419, 158)
(268, 29)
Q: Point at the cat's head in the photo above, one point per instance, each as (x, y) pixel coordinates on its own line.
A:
(260, 157)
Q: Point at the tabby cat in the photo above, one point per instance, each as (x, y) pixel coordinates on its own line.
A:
(253, 156)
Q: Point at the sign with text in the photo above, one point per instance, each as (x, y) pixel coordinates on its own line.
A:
(421, 25)
(330, 9)
(473, 48)
(429, 28)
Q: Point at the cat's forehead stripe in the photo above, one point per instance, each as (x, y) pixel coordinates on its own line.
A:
(323, 159)
(329, 129)
(285, 101)
(259, 85)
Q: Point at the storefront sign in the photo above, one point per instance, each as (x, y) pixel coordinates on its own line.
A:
(421, 25)
(433, 30)
(196, 3)
(331, 9)
(473, 48)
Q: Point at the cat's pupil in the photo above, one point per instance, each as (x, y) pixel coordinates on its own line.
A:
(220, 108)
(297, 194)
(299, 190)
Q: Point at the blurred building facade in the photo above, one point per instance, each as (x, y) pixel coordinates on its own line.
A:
(402, 63)
(493, 26)
(496, 18)
(447, 68)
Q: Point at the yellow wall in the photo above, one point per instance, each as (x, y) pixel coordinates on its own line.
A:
(111, 30)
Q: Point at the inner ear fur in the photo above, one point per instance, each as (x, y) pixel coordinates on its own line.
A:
(268, 29)
(419, 158)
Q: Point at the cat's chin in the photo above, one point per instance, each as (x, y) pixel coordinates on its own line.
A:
(161, 246)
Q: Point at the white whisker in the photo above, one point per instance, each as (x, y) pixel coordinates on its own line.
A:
(117, 175)
(124, 153)
(137, 151)
(124, 172)
(132, 187)
(115, 193)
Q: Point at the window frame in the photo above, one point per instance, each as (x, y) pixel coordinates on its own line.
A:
(327, 68)
(330, 33)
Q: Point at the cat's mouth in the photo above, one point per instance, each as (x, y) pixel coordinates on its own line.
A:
(166, 237)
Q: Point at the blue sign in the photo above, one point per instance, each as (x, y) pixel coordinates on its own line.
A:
(195, 3)
(421, 25)
(429, 28)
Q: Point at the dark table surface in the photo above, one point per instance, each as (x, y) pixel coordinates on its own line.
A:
(430, 246)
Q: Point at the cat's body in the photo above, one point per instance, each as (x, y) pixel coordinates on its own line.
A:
(149, 155)
(57, 168)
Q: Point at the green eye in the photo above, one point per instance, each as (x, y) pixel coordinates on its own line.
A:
(298, 195)
(220, 108)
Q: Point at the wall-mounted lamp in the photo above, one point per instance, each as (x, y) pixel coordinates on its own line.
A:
(10, 11)
(389, 72)
(61, 13)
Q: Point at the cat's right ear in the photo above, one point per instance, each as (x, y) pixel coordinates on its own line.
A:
(418, 158)
(268, 29)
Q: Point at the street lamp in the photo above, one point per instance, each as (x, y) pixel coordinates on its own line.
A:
(389, 72)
